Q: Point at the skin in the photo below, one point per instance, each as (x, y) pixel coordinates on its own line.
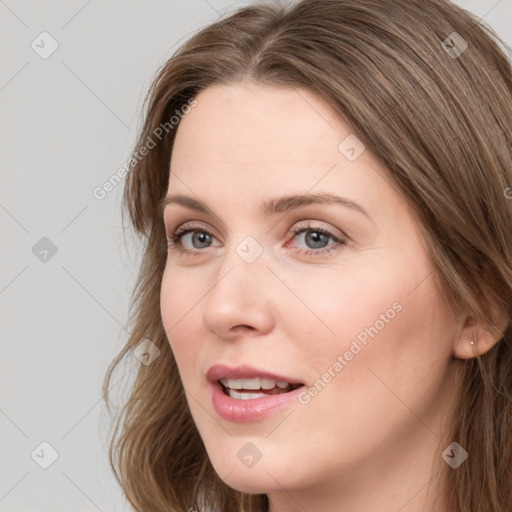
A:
(369, 439)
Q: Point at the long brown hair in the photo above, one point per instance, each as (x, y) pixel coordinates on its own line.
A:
(429, 91)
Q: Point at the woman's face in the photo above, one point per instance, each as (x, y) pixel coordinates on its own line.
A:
(351, 312)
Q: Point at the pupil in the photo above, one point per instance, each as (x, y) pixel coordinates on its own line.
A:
(315, 234)
(201, 235)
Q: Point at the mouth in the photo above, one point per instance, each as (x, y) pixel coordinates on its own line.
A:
(247, 394)
(256, 387)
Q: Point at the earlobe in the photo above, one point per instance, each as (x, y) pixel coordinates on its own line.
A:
(466, 349)
(478, 337)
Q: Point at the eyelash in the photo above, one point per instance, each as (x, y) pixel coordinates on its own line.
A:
(173, 243)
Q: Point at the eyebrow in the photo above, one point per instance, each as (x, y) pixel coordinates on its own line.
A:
(271, 207)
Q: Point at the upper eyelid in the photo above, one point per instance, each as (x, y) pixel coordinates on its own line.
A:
(190, 224)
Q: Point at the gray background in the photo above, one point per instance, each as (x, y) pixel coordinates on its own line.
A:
(68, 122)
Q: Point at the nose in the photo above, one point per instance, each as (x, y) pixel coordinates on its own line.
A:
(241, 301)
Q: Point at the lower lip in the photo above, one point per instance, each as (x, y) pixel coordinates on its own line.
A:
(232, 409)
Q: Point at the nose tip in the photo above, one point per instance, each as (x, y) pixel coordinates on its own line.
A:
(240, 303)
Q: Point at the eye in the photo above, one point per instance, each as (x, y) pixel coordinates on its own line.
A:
(201, 238)
(317, 236)
(198, 235)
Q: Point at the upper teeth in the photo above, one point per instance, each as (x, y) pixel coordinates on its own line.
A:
(256, 383)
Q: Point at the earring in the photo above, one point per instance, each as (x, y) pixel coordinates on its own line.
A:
(472, 342)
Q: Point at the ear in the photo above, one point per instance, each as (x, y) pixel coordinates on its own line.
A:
(479, 336)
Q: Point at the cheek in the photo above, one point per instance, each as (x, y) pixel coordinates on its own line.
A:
(389, 319)
(179, 303)
(343, 307)
(392, 348)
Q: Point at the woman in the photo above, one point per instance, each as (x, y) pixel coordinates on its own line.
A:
(325, 297)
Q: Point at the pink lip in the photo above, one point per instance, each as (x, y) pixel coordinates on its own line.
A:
(254, 409)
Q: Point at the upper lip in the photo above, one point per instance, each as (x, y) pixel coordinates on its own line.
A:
(221, 371)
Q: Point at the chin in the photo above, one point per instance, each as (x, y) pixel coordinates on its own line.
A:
(250, 481)
(263, 477)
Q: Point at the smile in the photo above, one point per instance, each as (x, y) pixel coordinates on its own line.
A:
(257, 387)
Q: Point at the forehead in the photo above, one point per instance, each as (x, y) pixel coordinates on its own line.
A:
(250, 141)
(245, 123)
